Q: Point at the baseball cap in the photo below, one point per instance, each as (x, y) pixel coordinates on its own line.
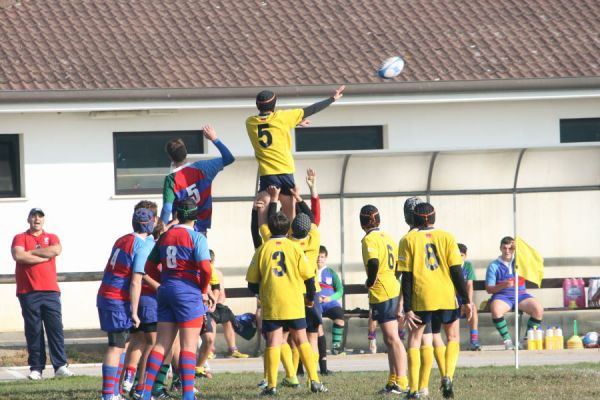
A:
(36, 210)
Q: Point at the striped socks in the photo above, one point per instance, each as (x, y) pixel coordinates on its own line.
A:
(118, 375)
(152, 367)
(108, 381)
(337, 333)
(161, 377)
(187, 368)
(502, 328)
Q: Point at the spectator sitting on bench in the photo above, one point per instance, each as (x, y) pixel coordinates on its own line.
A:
(331, 291)
(500, 282)
(224, 316)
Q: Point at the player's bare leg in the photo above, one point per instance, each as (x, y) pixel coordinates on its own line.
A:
(288, 205)
(137, 343)
(263, 212)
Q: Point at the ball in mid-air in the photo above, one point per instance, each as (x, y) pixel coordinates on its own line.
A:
(391, 67)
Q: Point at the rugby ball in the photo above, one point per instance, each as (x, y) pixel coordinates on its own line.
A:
(590, 340)
(391, 67)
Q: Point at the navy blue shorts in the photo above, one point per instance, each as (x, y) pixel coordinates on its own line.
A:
(207, 327)
(283, 181)
(148, 309)
(385, 311)
(270, 325)
(437, 318)
(179, 303)
(112, 320)
(510, 300)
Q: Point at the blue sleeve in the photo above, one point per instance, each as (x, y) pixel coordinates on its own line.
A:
(490, 274)
(166, 212)
(200, 247)
(225, 153)
(210, 167)
(143, 249)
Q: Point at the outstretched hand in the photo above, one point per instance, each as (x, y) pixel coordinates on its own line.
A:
(209, 133)
(311, 178)
(303, 123)
(273, 192)
(339, 93)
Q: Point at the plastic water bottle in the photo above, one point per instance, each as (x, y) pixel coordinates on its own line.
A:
(549, 342)
(581, 293)
(539, 339)
(560, 340)
(530, 340)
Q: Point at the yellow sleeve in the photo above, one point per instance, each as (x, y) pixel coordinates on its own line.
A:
(370, 249)
(253, 273)
(265, 232)
(404, 256)
(292, 117)
(303, 269)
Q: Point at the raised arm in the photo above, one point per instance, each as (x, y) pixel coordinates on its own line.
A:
(315, 201)
(321, 105)
(210, 133)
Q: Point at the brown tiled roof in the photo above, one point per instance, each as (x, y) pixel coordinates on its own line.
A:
(50, 45)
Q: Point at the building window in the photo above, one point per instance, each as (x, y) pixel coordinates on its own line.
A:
(339, 138)
(10, 166)
(580, 130)
(141, 162)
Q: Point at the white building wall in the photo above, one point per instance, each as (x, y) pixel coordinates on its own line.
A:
(68, 171)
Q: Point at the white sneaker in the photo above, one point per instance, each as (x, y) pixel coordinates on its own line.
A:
(35, 375)
(63, 371)
(508, 345)
(127, 386)
(373, 346)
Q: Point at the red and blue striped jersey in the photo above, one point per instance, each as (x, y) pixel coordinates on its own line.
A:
(195, 181)
(128, 255)
(184, 256)
(153, 270)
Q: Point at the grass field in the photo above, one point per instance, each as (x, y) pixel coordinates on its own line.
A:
(578, 381)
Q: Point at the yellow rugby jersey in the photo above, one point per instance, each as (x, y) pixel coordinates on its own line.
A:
(279, 267)
(272, 142)
(429, 254)
(214, 277)
(311, 245)
(379, 245)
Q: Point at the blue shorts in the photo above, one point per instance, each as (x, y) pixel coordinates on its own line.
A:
(314, 315)
(115, 320)
(510, 300)
(270, 325)
(385, 311)
(436, 318)
(283, 181)
(148, 309)
(179, 303)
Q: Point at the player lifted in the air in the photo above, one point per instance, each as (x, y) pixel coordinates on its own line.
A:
(269, 133)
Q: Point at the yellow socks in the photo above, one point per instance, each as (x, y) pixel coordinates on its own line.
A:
(452, 350)
(307, 357)
(440, 359)
(402, 381)
(273, 355)
(426, 364)
(391, 379)
(287, 360)
(414, 365)
(295, 358)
